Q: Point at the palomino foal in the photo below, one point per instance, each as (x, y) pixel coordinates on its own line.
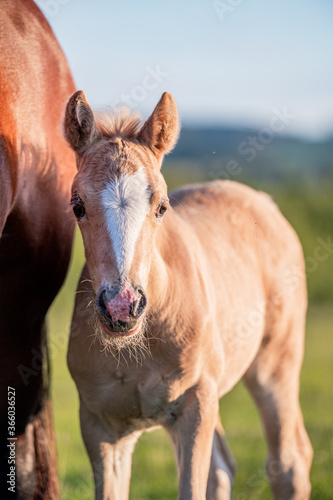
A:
(208, 283)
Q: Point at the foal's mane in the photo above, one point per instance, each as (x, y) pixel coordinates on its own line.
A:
(122, 123)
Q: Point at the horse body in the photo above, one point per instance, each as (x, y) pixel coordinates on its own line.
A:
(36, 170)
(224, 277)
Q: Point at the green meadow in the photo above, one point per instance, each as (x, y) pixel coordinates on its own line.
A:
(309, 208)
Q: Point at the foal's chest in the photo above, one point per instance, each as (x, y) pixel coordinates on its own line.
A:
(138, 398)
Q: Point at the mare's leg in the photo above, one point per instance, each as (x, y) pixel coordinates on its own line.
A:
(222, 467)
(32, 268)
(273, 380)
(22, 367)
(110, 456)
(192, 433)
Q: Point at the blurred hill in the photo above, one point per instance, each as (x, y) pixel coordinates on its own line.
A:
(257, 153)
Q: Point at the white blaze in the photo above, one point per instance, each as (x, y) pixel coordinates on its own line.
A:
(126, 203)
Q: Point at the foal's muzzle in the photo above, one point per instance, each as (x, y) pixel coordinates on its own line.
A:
(119, 309)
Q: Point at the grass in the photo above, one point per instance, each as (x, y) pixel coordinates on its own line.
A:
(154, 473)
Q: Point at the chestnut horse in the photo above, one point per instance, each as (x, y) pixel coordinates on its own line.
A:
(36, 171)
(182, 296)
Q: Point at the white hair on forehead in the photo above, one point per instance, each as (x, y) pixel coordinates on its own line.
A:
(126, 203)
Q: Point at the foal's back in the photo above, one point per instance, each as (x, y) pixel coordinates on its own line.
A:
(252, 261)
(234, 221)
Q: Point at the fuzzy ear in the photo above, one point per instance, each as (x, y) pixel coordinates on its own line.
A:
(80, 126)
(160, 132)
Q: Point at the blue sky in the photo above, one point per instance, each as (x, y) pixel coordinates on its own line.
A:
(225, 61)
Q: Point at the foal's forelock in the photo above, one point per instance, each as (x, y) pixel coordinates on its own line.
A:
(126, 203)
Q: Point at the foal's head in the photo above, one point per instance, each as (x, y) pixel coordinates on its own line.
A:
(119, 198)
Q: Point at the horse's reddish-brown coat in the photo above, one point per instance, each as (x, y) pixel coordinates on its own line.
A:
(36, 172)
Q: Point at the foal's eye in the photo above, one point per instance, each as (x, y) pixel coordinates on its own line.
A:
(160, 211)
(79, 211)
(78, 207)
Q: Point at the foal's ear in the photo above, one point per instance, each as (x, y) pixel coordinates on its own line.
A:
(160, 132)
(80, 126)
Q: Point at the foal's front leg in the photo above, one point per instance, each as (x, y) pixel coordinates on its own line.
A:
(110, 456)
(192, 435)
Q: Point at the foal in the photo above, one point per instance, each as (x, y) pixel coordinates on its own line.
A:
(188, 294)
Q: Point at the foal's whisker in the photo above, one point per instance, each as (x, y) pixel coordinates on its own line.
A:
(86, 280)
(82, 291)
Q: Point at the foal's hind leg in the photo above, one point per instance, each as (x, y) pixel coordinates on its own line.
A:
(222, 467)
(273, 380)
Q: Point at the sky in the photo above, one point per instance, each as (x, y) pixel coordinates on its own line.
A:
(230, 62)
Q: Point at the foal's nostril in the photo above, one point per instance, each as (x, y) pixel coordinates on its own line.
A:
(139, 305)
(142, 303)
(101, 301)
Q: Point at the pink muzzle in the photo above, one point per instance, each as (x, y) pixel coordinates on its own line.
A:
(119, 307)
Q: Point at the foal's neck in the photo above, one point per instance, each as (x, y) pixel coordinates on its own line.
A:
(175, 265)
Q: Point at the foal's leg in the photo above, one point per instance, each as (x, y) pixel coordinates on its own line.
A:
(192, 435)
(222, 467)
(110, 456)
(273, 380)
